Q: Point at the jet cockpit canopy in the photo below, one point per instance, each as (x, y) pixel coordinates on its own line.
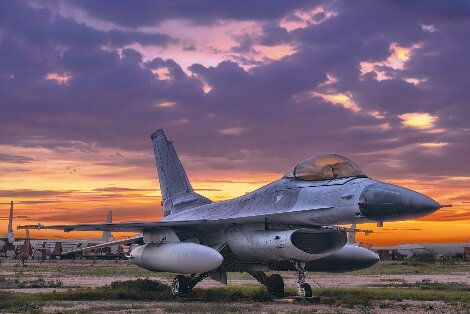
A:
(325, 167)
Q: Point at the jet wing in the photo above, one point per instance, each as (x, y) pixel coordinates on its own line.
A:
(298, 217)
(135, 239)
(120, 226)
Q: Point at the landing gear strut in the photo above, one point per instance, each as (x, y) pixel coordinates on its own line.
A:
(183, 285)
(305, 291)
(274, 283)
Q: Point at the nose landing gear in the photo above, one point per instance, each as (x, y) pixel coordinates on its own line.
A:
(305, 290)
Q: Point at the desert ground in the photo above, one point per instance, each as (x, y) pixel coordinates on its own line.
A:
(88, 287)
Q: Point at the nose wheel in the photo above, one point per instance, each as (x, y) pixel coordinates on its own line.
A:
(305, 290)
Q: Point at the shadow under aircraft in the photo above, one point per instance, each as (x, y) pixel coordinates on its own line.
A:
(289, 224)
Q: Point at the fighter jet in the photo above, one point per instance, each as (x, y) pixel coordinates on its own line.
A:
(289, 224)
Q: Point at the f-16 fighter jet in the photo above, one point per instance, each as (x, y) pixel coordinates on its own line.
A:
(289, 224)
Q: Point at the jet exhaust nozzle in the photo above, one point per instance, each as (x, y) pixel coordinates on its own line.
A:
(386, 202)
(180, 257)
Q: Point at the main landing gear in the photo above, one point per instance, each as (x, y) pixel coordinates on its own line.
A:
(274, 283)
(183, 285)
(180, 285)
(305, 290)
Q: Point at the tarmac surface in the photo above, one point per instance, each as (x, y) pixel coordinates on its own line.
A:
(56, 276)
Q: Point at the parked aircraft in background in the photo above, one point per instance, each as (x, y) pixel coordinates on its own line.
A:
(287, 224)
(43, 248)
(459, 250)
(8, 240)
(9, 237)
(58, 247)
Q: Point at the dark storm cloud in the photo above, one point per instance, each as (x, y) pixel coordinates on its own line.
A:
(15, 217)
(150, 12)
(273, 35)
(437, 9)
(41, 25)
(120, 189)
(15, 159)
(34, 193)
(265, 119)
(138, 212)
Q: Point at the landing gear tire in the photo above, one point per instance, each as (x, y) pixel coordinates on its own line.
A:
(308, 290)
(180, 285)
(276, 284)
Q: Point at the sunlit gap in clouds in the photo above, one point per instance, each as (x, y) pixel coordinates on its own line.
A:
(418, 120)
(397, 60)
(61, 79)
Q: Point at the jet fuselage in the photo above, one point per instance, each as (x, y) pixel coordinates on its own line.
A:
(313, 203)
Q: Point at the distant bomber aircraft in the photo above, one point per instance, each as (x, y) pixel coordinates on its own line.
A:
(288, 224)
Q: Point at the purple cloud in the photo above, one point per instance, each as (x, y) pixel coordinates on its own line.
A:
(264, 118)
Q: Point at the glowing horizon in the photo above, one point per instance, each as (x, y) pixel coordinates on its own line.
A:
(245, 93)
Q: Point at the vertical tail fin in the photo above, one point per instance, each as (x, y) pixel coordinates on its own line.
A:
(109, 219)
(10, 219)
(177, 192)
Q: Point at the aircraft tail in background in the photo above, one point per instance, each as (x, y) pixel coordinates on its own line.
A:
(109, 219)
(10, 219)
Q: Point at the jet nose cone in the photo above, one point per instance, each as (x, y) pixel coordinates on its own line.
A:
(386, 202)
(425, 205)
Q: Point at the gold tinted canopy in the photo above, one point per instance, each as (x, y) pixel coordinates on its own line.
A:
(325, 167)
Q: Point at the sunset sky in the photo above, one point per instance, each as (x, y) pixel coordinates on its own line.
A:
(245, 89)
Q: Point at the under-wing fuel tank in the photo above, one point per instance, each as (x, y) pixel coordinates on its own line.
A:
(184, 258)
